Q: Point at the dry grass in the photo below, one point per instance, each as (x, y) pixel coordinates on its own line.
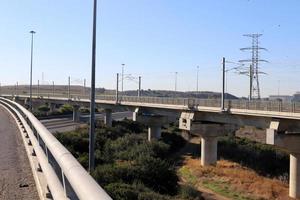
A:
(228, 177)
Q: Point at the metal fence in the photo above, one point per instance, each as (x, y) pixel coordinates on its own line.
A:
(262, 105)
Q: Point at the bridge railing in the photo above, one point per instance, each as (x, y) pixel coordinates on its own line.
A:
(260, 105)
(69, 174)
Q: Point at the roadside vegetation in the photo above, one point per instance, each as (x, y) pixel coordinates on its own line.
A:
(130, 167)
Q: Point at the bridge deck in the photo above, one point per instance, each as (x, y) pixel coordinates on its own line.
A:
(16, 179)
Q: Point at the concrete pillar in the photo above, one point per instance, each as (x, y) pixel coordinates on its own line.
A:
(108, 117)
(76, 113)
(209, 149)
(289, 142)
(295, 175)
(154, 131)
(153, 121)
(52, 107)
(186, 135)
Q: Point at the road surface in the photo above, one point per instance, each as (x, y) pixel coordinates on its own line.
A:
(16, 179)
(67, 124)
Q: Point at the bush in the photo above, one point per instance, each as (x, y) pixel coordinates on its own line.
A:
(175, 141)
(124, 158)
(43, 108)
(121, 191)
(132, 126)
(272, 162)
(190, 193)
(156, 174)
(66, 109)
(112, 173)
(135, 191)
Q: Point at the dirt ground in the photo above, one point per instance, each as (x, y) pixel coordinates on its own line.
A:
(228, 180)
(16, 180)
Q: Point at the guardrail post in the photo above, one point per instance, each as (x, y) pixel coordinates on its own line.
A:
(293, 107)
(64, 182)
(229, 105)
(279, 106)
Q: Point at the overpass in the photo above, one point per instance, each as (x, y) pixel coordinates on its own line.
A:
(200, 117)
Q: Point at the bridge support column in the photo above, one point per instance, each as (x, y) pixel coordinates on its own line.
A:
(18, 100)
(76, 113)
(209, 133)
(154, 123)
(295, 175)
(154, 131)
(209, 149)
(289, 142)
(108, 117)
(52, 107)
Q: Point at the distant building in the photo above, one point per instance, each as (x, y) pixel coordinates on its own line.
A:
(296, 96)
(284, 98)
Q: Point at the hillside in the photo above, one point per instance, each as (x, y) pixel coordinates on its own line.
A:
(63, 89)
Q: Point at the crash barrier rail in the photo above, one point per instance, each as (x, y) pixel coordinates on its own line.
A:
(66, 178)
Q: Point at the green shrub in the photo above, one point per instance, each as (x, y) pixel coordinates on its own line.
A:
(272, 162)
(190, 193)
(121, 191)
(175, 141)
(156, 174)
(43, 108)
(132, 126)
(66, 109)
(135, 191)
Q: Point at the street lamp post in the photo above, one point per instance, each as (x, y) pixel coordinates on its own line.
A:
(30, 89)
(123, 65)
(197, 79)
(223, 85)
(176, 81)
(53, 88)
(140, 82)
(117, 89)
(92, 104)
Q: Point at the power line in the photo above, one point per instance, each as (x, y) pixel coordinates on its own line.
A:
(253, 70)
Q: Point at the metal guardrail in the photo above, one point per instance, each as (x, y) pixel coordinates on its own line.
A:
(66, 178)
(261, 105)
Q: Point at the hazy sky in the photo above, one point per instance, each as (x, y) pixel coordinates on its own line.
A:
(154, 38)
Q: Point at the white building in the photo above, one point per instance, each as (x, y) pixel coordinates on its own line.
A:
(284, 98)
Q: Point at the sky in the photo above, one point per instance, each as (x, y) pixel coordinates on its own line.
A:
(154, 39)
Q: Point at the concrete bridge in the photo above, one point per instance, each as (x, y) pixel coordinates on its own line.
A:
(204, 118)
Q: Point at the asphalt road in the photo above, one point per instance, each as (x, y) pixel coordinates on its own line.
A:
(16, 179)
(67, 124)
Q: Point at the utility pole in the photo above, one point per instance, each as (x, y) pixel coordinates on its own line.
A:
(176, 81)
(223, 86)
(53, 88)
(139, 91)
(251, 82)
(17, 89)
(255, 60)
(30, 89)
(117, 89)
(123, 78)
(278, 89)
(38, 88)
(92, 104)
(84, 87)
(69, 87)
(197, 79)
